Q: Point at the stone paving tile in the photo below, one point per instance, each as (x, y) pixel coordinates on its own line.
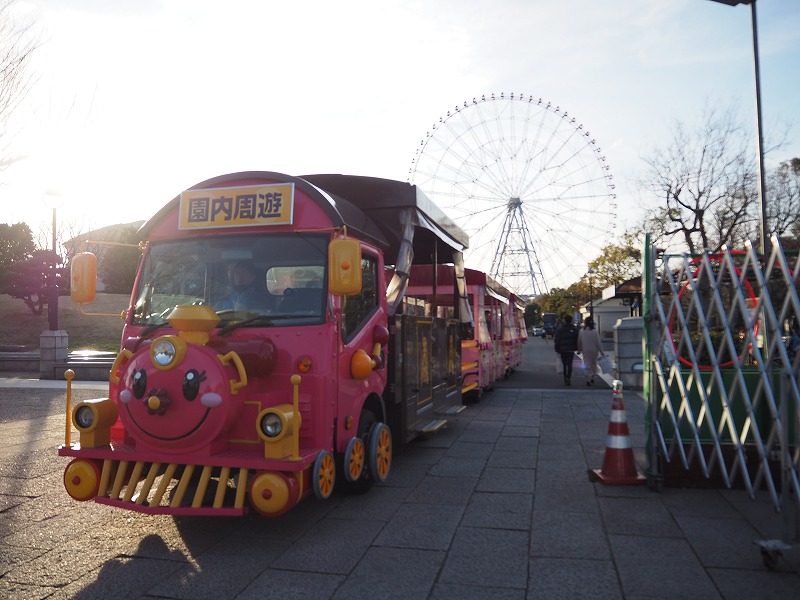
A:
(520, 431)
(522, 445)
(457, 467)
(511, 459)
(450, 591)
(321, 550)
(507, 480)
(666, 567)
(568, 579)
(469, 450)
(569, 535)
(757, 583)
(724, 542)
(221, 571)
(483, 431)
(120, 578)
(59, 566)
(700, 503)
(379, 504)
(291, 585)
(12, 556)
(645, 516)
(487, 557)
(425, 527)
(443, 490)
(564, 495)
(412, 574)
(10, 590)
(499, 511)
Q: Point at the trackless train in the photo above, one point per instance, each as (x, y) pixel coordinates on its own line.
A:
(270, 350)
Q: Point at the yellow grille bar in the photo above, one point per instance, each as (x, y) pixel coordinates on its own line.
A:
(125, 483)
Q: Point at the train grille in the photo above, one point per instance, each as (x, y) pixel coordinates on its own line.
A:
(170, 488)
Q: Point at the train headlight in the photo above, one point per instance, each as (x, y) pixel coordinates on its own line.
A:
(279, 427)
(93, 419)
(271, 425)
(163, 352)
(84, 417)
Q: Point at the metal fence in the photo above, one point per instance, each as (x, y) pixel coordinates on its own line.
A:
(721, 376)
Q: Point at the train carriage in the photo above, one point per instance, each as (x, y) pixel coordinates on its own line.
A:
(491, 349)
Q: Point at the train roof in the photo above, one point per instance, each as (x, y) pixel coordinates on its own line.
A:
(369, 207)
(382, 200)
(423, 276)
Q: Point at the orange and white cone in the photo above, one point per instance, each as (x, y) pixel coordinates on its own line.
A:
(619, 466)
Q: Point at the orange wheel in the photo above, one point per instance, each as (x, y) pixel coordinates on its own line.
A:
(380, 452)
(354, 456)
(324, 475)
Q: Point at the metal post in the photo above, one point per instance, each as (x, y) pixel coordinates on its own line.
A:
(762, 196)
(52, 303)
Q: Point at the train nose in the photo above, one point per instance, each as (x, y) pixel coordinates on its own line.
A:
(157, 401)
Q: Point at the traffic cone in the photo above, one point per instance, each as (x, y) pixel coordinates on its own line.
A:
(619, 466)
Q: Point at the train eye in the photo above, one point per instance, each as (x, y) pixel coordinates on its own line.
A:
(191, 383)
(139, 383)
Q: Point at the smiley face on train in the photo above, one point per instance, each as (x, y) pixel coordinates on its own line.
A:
(175, 396)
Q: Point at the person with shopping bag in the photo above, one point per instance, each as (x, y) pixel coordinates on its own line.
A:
(566, 342)
(591, 347)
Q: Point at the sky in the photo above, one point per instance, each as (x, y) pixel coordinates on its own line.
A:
(136, 100)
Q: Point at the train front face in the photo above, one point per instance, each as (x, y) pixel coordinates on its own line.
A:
(175, 397)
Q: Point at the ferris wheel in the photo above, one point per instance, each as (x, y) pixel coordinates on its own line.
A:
(528, 184)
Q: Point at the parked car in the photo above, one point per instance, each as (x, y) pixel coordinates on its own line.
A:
(537, 331)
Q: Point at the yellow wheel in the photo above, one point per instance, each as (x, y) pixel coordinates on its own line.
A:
(272, 494)
(354, 456)
(82, 479)
(324, 475)
(380, 452)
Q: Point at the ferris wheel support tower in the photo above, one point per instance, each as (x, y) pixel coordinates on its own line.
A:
(516, 255)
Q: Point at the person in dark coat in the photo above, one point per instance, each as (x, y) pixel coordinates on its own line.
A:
(566, 343)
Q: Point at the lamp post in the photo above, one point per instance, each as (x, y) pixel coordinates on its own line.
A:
(52, 199)
(590, 272)
(762, 207)
(53, 342)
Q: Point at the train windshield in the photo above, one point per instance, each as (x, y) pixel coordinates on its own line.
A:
(254, 280)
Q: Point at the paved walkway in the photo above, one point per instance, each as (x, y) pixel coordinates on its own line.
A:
(498, 505)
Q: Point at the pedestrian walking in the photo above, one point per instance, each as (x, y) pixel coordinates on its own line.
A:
(566, 343)
(590, 346)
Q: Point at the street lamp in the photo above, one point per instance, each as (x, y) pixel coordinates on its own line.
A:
(762, 208)
(590, 272)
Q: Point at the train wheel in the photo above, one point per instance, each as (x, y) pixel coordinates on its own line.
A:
(324, 475)
(380, 452)
(354, 458)
(82, 479)
(366, 421)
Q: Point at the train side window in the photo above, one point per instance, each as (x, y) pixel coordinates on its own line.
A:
(358, 308)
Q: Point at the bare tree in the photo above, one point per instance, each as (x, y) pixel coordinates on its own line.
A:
(706, 180)
(17, 44)
(783, 191)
